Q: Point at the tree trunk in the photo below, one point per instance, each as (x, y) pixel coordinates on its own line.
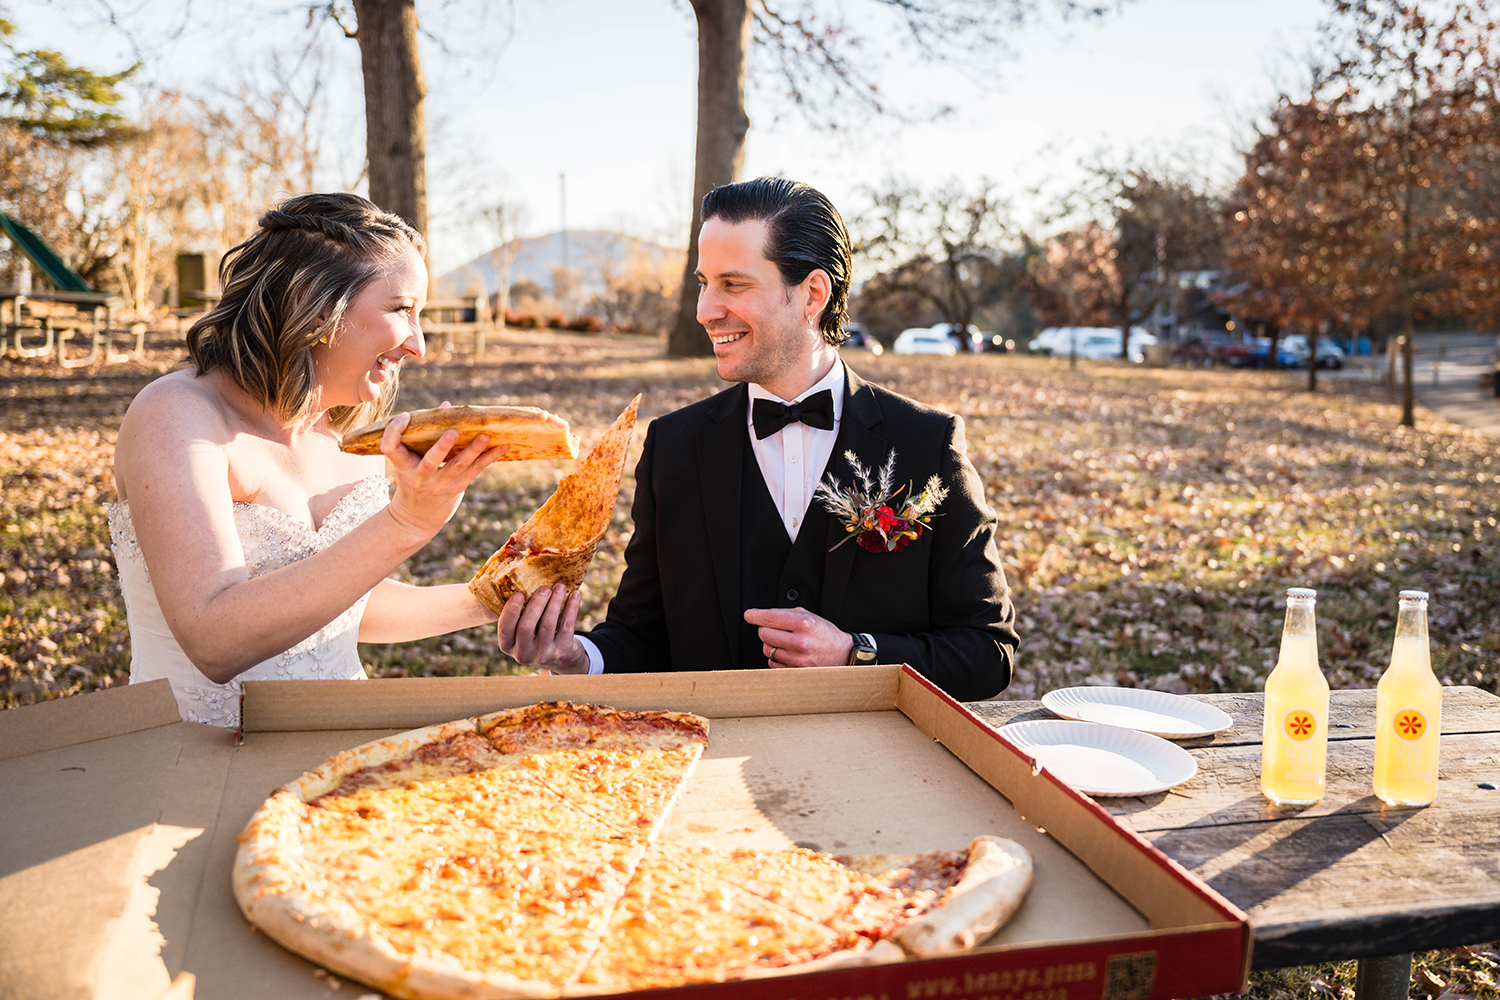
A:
(1408, 400)
(723, 41)
(1312, 358)
(395, 129)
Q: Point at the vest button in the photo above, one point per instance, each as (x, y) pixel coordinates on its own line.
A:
(791, 595)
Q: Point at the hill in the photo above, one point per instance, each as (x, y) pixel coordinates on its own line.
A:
(592, 255)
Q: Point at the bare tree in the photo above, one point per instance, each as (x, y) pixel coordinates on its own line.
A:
(1141, 226)
(395, 95)
(156, 178)
(944, 248)
(506, 222)
(812, 45)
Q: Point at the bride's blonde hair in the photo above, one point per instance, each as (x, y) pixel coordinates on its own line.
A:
(287, 287)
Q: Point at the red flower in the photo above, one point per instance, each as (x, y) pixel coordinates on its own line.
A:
(887, 519)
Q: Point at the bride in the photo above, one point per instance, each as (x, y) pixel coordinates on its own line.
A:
(249, 546)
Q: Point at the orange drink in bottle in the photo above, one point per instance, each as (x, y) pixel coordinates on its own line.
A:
(1408, 712)
(1294, 741)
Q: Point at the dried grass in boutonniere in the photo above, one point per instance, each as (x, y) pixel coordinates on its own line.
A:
(868, 508)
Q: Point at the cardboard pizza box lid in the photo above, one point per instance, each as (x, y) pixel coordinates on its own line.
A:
(114, 861)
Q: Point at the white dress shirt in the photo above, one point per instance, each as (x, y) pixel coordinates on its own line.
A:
(791, 462)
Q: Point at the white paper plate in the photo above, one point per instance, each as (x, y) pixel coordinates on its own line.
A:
(1155, 712)
(1102, 760)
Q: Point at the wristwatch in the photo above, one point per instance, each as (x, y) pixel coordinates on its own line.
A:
(864, 652)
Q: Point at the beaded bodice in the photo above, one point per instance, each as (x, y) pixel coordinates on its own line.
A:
(271, 540)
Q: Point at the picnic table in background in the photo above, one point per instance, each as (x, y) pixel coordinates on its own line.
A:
(1349, 877)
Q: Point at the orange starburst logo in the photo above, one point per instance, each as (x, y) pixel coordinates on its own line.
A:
(1409, 724)
(1299, 725)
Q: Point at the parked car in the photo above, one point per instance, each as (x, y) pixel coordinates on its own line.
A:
(975, 339)
(1260, 352)
(860, 340)
(1200, 349)
(1059, 340)
(1236, 353)
(1048, 340)
(1330, 354)
(1103, 344)
(1090, 342)
(923, 340)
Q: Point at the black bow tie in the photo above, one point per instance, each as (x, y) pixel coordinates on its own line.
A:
(769, 416)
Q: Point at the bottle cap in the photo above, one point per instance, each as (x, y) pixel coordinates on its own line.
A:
(1301, 594)
(1414, 595)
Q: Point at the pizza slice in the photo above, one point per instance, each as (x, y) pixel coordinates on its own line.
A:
(529, 432)
(519, 909)
(678, 923)
(623, 769)
(555, 544)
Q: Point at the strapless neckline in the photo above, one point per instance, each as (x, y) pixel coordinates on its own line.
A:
(271, 539)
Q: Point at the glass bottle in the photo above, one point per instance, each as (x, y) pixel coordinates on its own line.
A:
(1294, 741)
(1408, 712)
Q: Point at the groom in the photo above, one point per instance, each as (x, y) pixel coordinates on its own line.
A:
(733, 563)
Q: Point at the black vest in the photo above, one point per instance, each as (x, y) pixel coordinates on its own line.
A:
(775, 572)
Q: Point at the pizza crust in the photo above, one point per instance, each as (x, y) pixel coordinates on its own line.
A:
(530, 433)
(958, 898)
(992, 889)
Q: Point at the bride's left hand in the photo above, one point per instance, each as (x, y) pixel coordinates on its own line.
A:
(429, 487)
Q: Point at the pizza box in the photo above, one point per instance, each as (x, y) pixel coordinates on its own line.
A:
(120, 827)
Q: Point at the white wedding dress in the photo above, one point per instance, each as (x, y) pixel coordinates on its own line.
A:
(271, 540)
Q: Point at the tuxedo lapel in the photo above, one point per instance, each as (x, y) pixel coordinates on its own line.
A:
(721, 449)
(856, 434)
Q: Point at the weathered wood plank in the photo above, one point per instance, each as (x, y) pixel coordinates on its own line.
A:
(1226, 789)
(1348, 877)
(1353, 885)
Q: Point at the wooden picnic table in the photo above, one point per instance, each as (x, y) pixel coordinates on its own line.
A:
(1349, 877)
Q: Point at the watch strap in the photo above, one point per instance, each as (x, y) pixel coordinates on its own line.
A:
(864, 651)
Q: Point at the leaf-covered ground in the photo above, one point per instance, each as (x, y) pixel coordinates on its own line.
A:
(1152, 520)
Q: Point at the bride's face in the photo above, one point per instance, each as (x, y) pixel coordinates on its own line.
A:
(381, 329)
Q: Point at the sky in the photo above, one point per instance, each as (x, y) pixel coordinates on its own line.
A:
(580, 113)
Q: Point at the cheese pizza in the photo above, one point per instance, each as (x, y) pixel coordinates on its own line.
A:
(518, 854)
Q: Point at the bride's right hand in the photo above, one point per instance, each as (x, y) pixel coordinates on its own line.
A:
(429, 487)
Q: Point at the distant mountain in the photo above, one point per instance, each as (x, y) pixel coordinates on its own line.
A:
(591, 254)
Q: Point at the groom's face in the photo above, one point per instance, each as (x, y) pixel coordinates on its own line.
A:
(759, 326)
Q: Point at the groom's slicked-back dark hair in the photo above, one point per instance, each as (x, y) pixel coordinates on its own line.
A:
(805, 234)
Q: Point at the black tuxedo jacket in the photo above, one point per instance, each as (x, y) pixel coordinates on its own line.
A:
(941, 604)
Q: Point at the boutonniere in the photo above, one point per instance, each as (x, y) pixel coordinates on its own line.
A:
(872, 510)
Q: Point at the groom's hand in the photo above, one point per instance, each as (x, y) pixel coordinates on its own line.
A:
(539, 632)
(793, 637)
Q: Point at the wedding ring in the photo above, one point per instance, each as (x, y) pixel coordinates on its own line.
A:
(772, 657)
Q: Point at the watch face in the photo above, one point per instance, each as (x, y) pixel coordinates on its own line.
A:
(864, 650)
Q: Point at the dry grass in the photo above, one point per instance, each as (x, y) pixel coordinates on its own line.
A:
(1153, 519)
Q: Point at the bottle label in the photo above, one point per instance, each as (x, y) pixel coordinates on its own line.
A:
(1299, 724)
(1408, 724)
